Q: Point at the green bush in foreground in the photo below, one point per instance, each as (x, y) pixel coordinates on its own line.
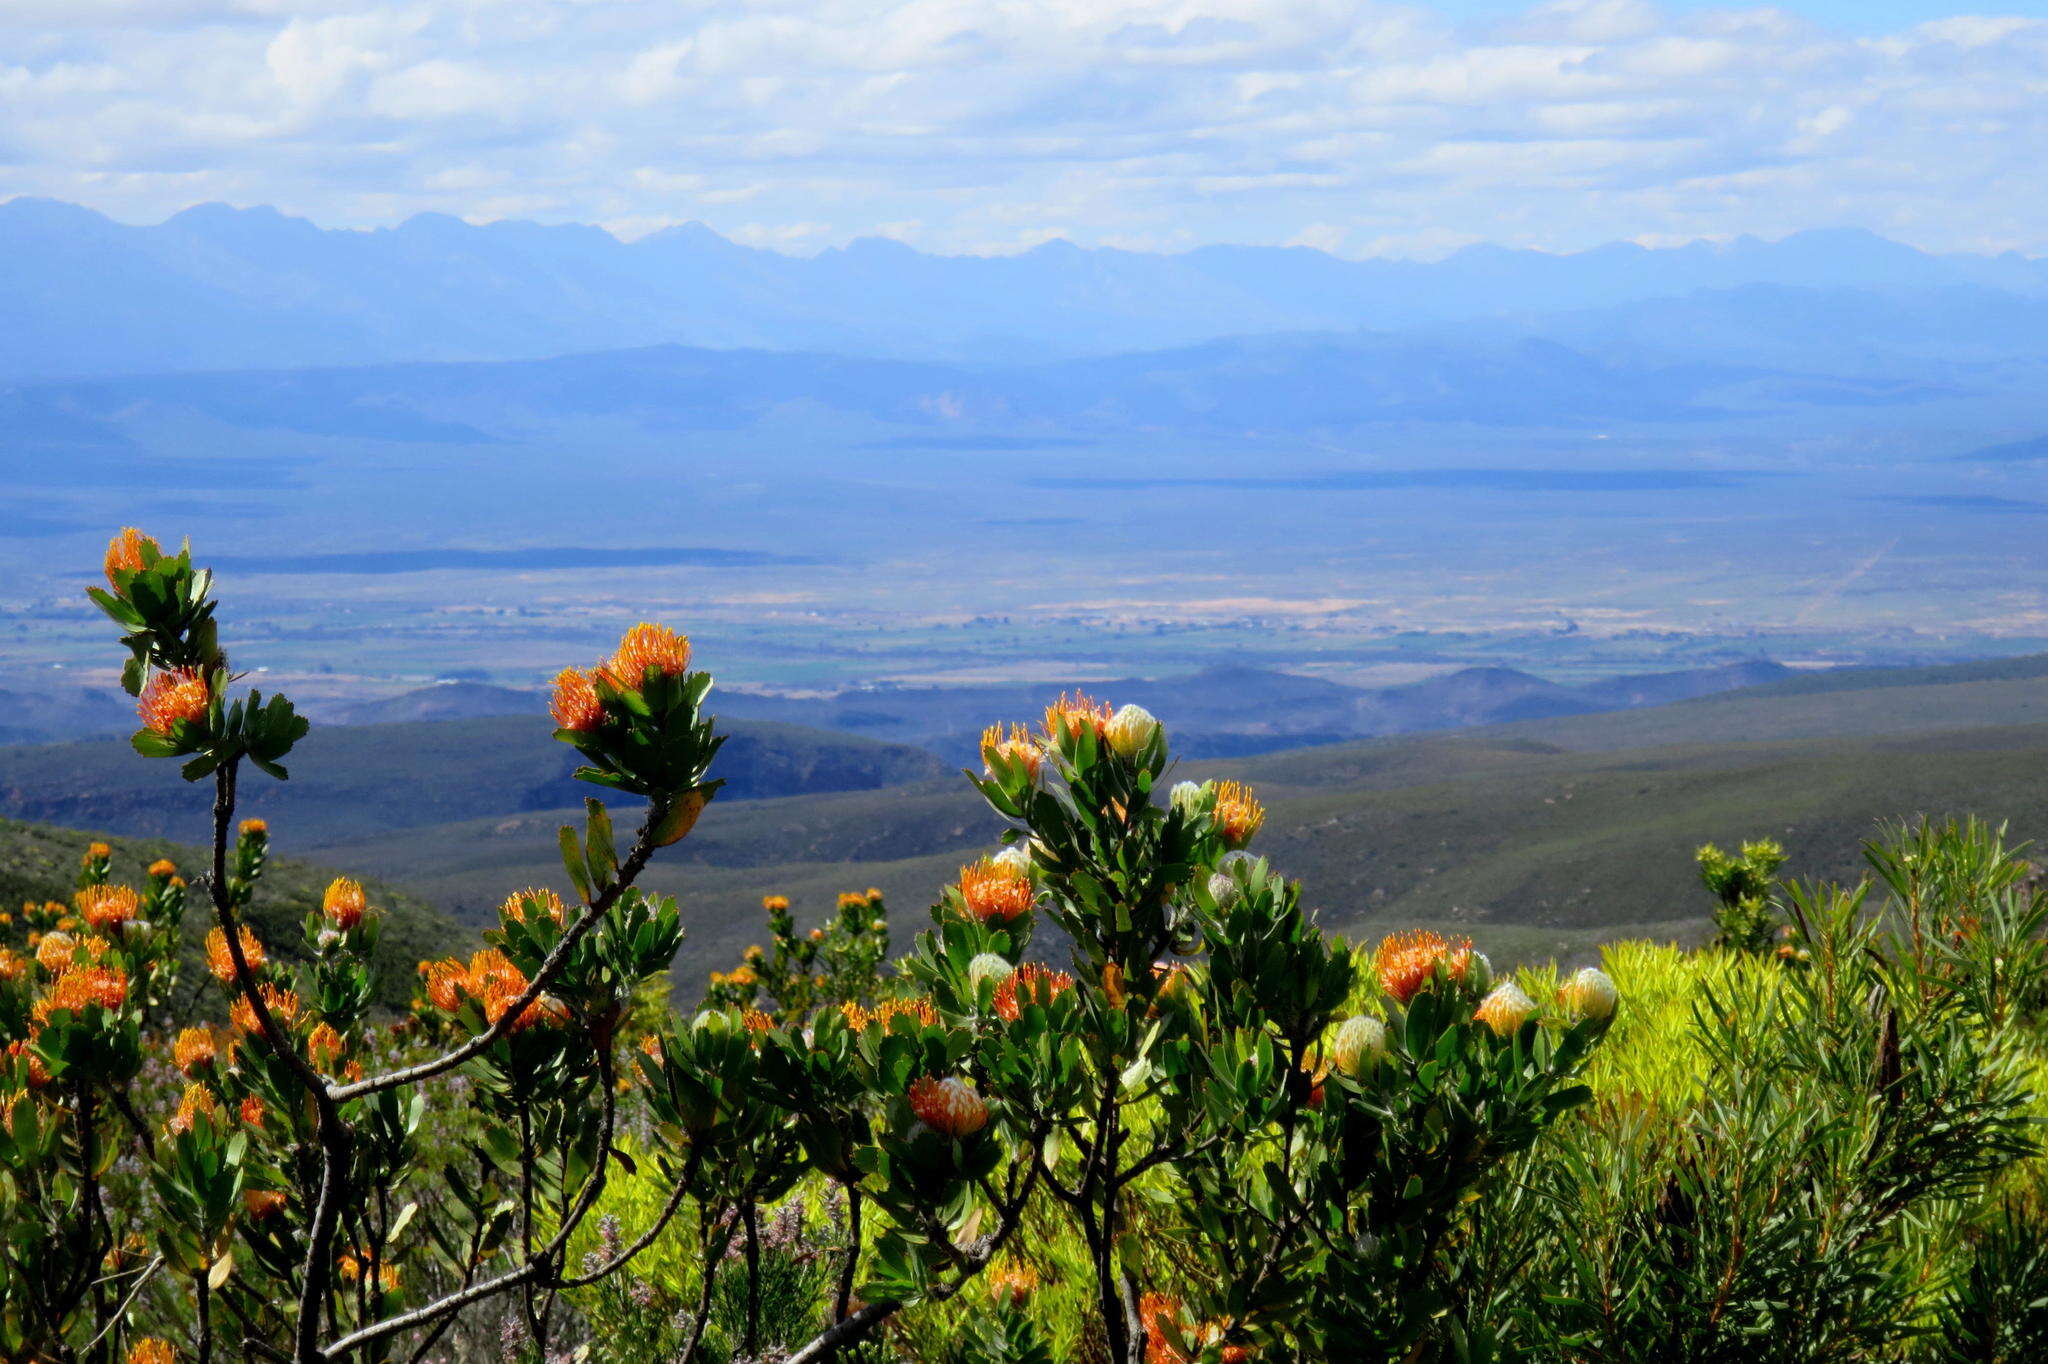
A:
(1205, 1131)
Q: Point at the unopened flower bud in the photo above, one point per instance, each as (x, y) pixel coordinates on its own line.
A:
(1016, 858)
(949, 1106)
(1590, 994)
(1130, 730)
(1506, 1009)
(1359, 1045)
(987, 966)
(1185, 795)
(1479, 973)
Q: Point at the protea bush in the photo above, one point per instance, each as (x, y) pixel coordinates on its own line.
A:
(1123, 1100)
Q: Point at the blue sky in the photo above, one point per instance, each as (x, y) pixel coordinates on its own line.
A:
(1359, 126)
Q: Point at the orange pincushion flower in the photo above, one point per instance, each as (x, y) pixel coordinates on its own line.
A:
(642, 647)
(1068, 716)
(54, 951)
(255, 828)
(163, 868)
(446, 982)
(194, 1050)
(251, 1111)
(520, 902)
(1238, 814)
(97, 852)
(1156, 1309)
(343, 904)
(80, 987)
(261, 1203)
(13, 966)
(124, 553)
(491, 969)
(324, 1046)
(1015, 744)
(1011, 1283)
(222, 963)
(198, 1102)
(996, 892)
(170, 697)
(757, 1021)
(574, 705)
(775, 904)
(152, 1350)
(38, 1075)
(948, 1106)
(1029, 984)
(1407, 961)
(918, 1009)
(106, 908)
(283, 1006)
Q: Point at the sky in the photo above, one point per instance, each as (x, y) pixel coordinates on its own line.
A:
(1359, 127)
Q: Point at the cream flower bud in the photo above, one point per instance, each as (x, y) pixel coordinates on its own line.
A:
(987, 966)
(1130, 730)
(1185, 795)
(1506, 1009)
(1223, 889)
(1359, 1045)
(1478, 973)
(1015, 857)
(1590, 994)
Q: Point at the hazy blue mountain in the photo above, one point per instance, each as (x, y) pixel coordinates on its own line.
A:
(215, 287)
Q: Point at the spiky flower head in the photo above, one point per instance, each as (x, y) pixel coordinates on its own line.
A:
(197, 1102)
(152, 1349)
(222, 963)
(1360, 1044)
(1506, 1009)
(948, 1106)
(778, 904)
(324, 1046)
(80, 987)
(1130, 731)
(55, 950)
(1029, 984)
(194, 1050)
(255, 828)
(125, 554)
(170, 698)
(445, 983)
(1011, 1283)
(250, 1110)
(343, 904)
(1237, 814)
(521, 904)
(1590, 993)
(282, 1004)
(163, 869)
(97, 852)
(1067, 718)
(987, 966)
(1013, 744)
(1408, 961)
(996, 892)
(642, 647)
(13, 966)
(107, 908)
(575, 704)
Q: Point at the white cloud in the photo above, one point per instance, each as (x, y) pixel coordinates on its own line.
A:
(992, 124)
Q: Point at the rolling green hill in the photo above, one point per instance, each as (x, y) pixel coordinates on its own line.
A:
(40, 863)
(350, 781)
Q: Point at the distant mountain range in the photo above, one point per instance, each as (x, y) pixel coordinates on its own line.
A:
(222, 288)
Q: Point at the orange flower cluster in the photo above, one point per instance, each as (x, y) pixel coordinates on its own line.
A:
(222, 963)
(255, 828)
(251, 1111)
(757, 1021)
(1156, 1309)
(1011, 1283)
(163, 869)
(170, 697)
(79, 987)
(1015, 744)
(124, 553)
(918, 1008)
(13, 966)
(152, 1350)
(283, 1006)
(55, 950)
(1407, 961)
(197, 1102)
(1029, 984)
(1067, 717)
(38, 1075)
(344, 903)
(106, 908)
(517, 904)
(574, 704)
(1238, 814)
(194, 1050)
(996, 892)
(948, 1106)
(642, 647)
(324, 1046)
(97, 852)
(494, 983)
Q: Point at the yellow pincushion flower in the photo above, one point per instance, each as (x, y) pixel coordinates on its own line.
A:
(107, 908)
(1237, 814)
(1506, 1009)
(222, 963)
(193, 1050)
(152, 1350)
(124, 553)
(646, 646)
(1014, 744)
(344, 903)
